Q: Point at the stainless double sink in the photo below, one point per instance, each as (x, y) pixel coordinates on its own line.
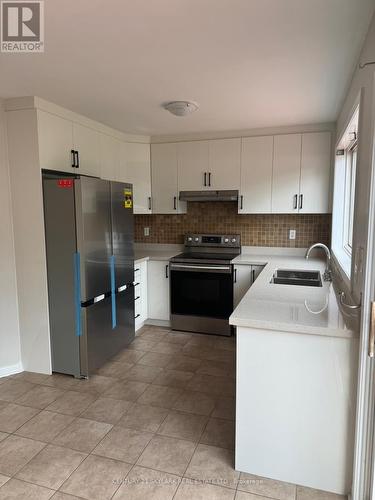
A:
(295, 277)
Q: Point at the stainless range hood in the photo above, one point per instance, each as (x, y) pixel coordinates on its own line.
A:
(226, 195)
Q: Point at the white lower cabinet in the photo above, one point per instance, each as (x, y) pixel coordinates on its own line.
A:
(140, 294)
(158, 290)
(244, 277)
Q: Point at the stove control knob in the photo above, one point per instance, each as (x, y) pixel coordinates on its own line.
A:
(190, 238)
(226, 240)
(196, 239)
(234, 240)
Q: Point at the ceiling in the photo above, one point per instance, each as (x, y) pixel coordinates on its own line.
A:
(248, 63)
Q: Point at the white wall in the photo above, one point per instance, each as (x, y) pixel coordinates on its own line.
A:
(363, 81)
(10, 354)
(28, 222)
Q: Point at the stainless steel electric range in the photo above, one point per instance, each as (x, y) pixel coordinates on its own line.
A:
(202, 283)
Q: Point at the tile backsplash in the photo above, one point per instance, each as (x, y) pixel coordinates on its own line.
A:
(222, 217)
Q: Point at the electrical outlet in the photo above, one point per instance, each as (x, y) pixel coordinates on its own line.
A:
(292, 234)
(146, 231)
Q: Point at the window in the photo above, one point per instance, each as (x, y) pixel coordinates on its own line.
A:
(344, 194)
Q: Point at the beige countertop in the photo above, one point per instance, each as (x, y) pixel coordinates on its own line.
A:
(289, 308)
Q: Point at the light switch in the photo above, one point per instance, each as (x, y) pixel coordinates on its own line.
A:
(146, 231)
(292, 234)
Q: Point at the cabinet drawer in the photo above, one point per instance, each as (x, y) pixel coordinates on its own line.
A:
(137, 275)
(137, 306)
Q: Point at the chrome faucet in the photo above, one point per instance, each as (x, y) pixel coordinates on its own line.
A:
(327, 276)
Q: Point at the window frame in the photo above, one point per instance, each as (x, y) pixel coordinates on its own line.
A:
(344, 190)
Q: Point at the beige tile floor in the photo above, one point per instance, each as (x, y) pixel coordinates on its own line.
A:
(156, 422)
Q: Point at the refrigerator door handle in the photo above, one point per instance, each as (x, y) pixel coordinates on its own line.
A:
(99, 298)
(113, 291)
(77, 292)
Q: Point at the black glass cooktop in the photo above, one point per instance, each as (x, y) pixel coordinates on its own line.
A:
(204, 256)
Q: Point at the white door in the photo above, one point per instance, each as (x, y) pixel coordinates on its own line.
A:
(224, 164)
(164, 179)
(87, 142)
(242, 282)
(55, 136)
(193, 166)
(109, 157)
(138, 173)
(256, 175)
(315, 173)
(286, 173)
(158, 290)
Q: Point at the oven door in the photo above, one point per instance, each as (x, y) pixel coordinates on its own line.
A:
(204, 290)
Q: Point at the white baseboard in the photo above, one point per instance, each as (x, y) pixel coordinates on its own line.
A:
(5, 371)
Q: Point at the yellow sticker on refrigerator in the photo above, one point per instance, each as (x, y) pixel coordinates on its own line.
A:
(128, 199)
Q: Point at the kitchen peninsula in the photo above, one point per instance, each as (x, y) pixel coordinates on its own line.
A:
(296, 369)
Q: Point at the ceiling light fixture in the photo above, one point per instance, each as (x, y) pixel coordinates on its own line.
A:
(181, 108)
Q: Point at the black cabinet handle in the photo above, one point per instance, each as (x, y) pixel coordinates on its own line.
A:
(166, 270)
(135, 317)
(149, 202)
(73, 158)
(205, 179)
(235, 276)
(209, 179)
(300, 201)
(76, 159)
(137, 269)
(174, 202)
(136, 298)
(295, 198)
(253, 275)
(241, 202)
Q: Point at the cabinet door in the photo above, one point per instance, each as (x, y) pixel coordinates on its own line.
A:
(121, 172)
(286, 173)
(158, 290)
(164, 178)
(255, 272)
(55, 142)
(109, 157)
(315, 173)
(87, 143)
(138, 173)
(192, 166)
(256, 175)
(242, 282)
(224, 164)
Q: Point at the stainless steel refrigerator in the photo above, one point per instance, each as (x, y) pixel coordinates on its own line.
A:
(90, 267)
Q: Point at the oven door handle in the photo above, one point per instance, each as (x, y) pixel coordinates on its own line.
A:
(197, 268)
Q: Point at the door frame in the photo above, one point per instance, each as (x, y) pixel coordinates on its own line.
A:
(363, 487)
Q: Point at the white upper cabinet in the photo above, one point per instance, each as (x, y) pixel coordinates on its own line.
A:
(86, 142)
(315, 173)
(164, 179)
(55, 137)
(286, 173)
(138, 173)
(109, 157)
(224, 164)
(193, 165)
(67, 146)
(256, 175)
(121, 172)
